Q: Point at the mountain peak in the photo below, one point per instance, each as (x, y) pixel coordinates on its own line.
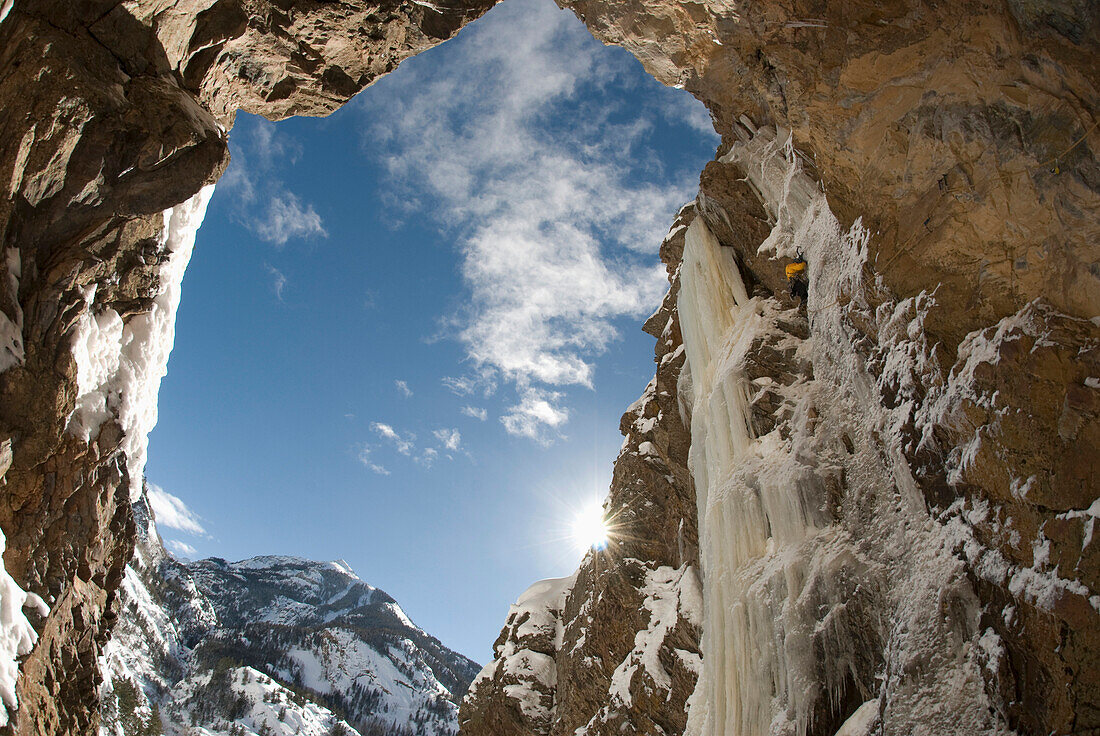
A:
(198, 639)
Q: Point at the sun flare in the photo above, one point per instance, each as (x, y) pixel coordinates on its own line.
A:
(590, 528)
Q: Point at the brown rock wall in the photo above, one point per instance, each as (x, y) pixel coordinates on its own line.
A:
(111, 113)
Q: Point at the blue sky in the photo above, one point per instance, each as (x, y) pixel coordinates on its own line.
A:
(409, 329)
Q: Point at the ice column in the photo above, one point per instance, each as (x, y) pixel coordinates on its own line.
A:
(756, 501)
(737, 521)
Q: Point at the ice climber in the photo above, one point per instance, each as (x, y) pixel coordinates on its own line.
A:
(796, 278)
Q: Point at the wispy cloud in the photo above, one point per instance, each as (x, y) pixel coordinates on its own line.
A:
(278, 281)
(265, 204)
(482, 383)
(402, 441)
(171, 512)
(476, 412)
(181, 548)
(542, 180)
(403, 388)
(538, 412)
(286, 217)
(449, 438)
(363, 454)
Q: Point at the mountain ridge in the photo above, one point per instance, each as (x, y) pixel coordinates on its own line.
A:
(206, 646)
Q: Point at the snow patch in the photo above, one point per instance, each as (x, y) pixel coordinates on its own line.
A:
(669, 595)
(120, 365)
(11, 328)
(17, 636)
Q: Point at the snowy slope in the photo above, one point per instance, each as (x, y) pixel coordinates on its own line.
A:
(270, 645)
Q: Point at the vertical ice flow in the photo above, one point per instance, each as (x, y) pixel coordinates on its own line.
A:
(767, 552)
(739, 520)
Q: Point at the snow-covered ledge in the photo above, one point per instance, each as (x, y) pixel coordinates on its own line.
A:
(120, 365)
(17, 636)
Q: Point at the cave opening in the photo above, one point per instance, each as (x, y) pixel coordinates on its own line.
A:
(409, 328)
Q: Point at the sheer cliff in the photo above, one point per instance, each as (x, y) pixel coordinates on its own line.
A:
(894, 489)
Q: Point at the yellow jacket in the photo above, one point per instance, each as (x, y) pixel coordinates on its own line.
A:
(794, 269)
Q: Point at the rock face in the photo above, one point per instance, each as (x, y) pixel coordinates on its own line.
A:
(959, 137)
(111, 115)
(961, 143)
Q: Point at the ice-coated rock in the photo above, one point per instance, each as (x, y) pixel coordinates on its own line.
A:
(960, 136)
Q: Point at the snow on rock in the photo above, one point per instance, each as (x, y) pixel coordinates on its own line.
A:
(523, 664)
(120, 364)
(669, 594)
(17, 636)
(270, 645)
(795, 456)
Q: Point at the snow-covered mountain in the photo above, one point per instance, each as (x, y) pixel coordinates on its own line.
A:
(269, 646)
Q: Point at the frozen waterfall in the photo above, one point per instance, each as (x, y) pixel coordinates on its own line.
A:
(797, 616)
(749, 507)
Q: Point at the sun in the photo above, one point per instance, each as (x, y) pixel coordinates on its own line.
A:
(590, 529)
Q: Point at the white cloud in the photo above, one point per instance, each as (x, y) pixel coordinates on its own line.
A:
(449, 438)
(265, 204)
(364, 456)
(384, 429)
(181, 548)
(427, 457)
(403, 442)
(532, 168)
(484, 382)
(403, 388)
(476, 412)
(171, 512)
(278, 281)
(287, 218)
(537, 412)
